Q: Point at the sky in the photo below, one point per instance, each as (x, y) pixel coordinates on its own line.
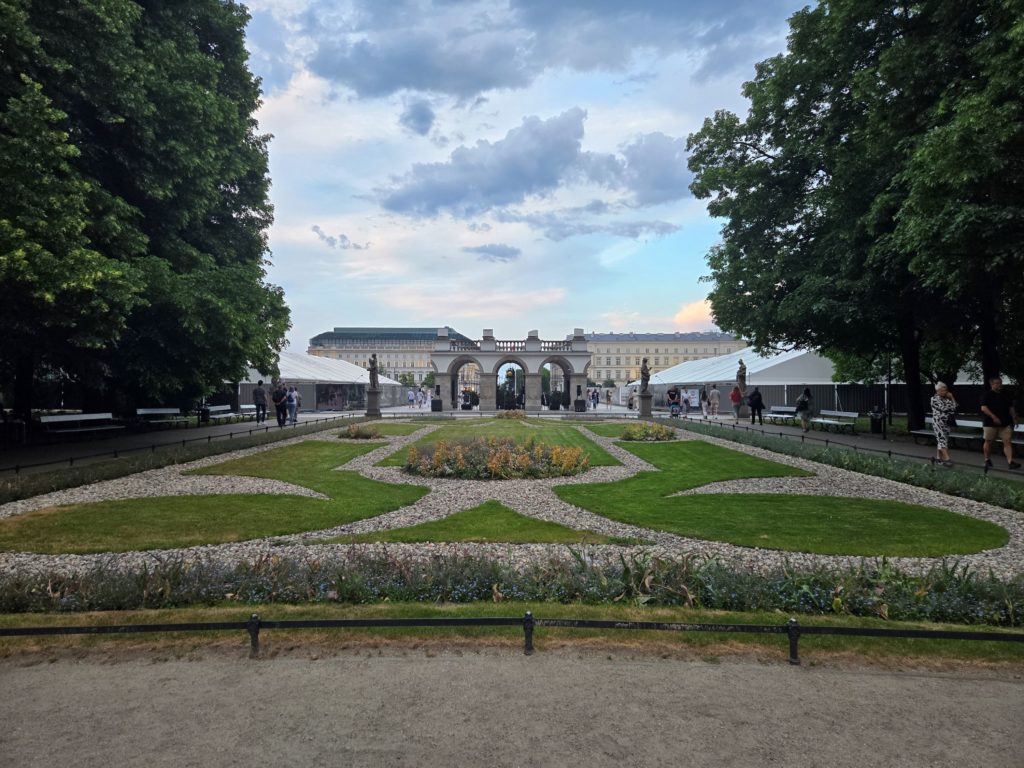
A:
(516, 165)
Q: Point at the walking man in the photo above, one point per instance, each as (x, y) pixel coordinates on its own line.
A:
(1000, 418)
(280, 399)
(714, 398)
(259, 399)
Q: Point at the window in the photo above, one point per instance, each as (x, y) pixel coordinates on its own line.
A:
(618, 361)
(655, 350)
(657, 361)
(607, 361)
(636, 361)
(618, 375)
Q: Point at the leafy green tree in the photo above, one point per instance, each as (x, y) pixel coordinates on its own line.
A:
(608, 384)
(406, 379)
(428, 380)
(158, 102)
(813, 186)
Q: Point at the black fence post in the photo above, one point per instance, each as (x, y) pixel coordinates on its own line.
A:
(252, 626)
(793, 630)
(528, 634)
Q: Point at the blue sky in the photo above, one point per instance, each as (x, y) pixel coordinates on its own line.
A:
(512, 165)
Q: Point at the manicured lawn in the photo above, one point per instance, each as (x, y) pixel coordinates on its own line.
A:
(185, 521)
(553, 434)
(393, 429)
(609, 429)
(489, 522)
(824, 525)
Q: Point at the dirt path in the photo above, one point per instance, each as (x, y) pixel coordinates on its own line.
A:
(499, 708)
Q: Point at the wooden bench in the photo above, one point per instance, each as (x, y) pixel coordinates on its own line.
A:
(223, 412)
(161, 416)
(247, 411)
(79, 423)
(839, 419)
(967, 431)
(785, 414)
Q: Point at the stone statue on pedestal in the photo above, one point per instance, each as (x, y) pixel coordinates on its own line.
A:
(645, 376)
(741, 377)
(374, 372)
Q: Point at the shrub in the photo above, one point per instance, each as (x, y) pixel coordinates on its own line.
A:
(494, 458)
(648, 432)
(359, 432)
(513, 414)
(947, 593)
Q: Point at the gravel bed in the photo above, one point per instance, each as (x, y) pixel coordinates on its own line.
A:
(533, 498)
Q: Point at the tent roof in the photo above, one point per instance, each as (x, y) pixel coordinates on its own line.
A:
(300, 367)
(797, 366)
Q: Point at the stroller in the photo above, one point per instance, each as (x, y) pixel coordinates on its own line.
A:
(674, 410)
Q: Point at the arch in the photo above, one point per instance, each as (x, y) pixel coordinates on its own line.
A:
(504, 359)
(458, 362)
(560, 361)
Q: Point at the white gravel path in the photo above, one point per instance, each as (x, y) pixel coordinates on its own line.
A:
(533, 498)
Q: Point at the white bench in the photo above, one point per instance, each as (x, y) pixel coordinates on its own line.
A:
(247, 411)
(967, 430)
(73, 423)
(781, 413)
(161, 416)
(839, 419)
(223, 412)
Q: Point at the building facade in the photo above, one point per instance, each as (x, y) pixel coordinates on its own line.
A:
(399, 350)
(617, 356)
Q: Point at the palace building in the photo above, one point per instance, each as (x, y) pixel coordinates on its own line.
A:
(617, 356)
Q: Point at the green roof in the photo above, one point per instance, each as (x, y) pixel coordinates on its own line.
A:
(382, 334)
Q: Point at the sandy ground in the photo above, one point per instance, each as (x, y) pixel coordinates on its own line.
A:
(498, 708)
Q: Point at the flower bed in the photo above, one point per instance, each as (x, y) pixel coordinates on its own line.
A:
(359, 432)
(645, 431)
(494, 458)
(516, 414)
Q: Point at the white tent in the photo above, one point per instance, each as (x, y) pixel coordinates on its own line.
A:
(324, 383)
(797, 366)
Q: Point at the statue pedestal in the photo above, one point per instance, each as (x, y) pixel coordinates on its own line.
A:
(645, 404)
(373, 403)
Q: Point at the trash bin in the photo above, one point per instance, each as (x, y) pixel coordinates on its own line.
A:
(580, 405)
(435, 405)
(877, 417)
(204, 415)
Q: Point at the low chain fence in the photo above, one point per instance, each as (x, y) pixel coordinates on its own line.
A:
(792, 629)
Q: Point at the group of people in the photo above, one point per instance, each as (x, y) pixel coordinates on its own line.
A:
(998, 420)
(594, 398)
(417, 398)
(286, 402)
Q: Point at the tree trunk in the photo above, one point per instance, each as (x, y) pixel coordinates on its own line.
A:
(910, 352)
(24, 372)
(988, 331)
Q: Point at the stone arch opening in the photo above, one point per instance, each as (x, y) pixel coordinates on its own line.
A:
(464, 380)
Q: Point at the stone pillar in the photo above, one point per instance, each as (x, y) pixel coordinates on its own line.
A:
(645, 404)
(444, 381)
(577, 388)
(372, 403)
(488, 394)
(533, 391)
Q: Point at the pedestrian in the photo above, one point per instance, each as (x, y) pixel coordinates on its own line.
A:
(1000, 418)
(596, 398)
(259, 399)
(756, 403)
(686, 403)
(736, 398)
(410, 398)
(292, 402)
(714, 397)
(631, 400)
(607, 399)
(803, 408)
(943, 411)
(704, 402)
(279, 397)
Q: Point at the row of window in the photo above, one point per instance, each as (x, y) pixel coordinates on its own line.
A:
(669, 350)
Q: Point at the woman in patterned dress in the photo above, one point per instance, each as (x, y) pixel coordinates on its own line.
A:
(943, 408)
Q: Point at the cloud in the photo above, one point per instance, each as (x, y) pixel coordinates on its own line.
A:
(494, 252)
(464, 49)
(532, 159)
(418, 117)
(655, 169)
(339, 241)
(695, 316)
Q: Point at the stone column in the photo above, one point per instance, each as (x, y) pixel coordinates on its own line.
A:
(444, 381)
(533, 391)
(372, 403)
(645, 404)
(488, 395)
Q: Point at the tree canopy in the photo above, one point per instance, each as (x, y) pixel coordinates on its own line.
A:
(133, 245)
(869, 201)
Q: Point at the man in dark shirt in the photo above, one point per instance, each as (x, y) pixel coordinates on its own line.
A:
(280, 400)
(999, 420)
(259, 399)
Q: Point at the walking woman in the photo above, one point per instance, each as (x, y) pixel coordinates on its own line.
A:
(736, 398)
(943, 410)
(803, 409)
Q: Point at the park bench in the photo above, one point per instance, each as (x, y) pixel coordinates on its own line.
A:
(839, 419)
(247, 411)
(223, 412)
(966, 431)
(785, 414)
(79, 423)
(161, 416)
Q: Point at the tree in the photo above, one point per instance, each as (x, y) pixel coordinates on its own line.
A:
(176, 185)
(608, 384)
(428, 380)
(406, 379)
(813, 185)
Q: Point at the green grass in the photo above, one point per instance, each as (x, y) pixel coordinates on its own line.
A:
(553, 434)
(393, 429)
(814, 650)
(491, 522)
(608, 429)
(823, 525)
(185, 521)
